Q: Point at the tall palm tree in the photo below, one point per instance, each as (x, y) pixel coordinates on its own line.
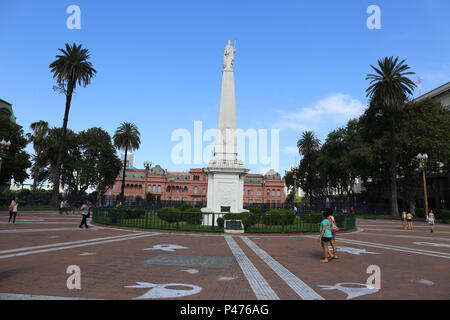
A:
(69, 69)
(389, 89)
(126, 137)
(37, 137)
(308, 145)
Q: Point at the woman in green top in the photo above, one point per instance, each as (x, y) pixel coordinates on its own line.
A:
(325, 236)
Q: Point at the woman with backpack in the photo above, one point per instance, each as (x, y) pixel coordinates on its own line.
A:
(334, 230)
(325, 236)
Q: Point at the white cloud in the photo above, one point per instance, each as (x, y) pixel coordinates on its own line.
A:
(336, 109)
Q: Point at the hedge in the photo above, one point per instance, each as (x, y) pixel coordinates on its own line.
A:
(169, 214)
(278, 217)
(192, 216)
(185, 206)
(125, 213)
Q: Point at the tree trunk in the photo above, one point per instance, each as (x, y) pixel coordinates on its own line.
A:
(122, 189)
(412, 206)
(393, 168)
(57, 174)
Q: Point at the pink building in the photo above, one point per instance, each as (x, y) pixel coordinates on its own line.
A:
(192, 186)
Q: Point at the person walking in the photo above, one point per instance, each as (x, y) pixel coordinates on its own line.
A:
(13, 207)
(84, 213)
(61, 207)
(325, 236)
(431, 220)
(409, 219)
(66, 206)
(334, 230)
(404, 220)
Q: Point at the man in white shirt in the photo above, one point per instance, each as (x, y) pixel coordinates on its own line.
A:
(84, 213)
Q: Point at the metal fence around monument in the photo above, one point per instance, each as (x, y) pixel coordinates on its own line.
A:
(189, 221)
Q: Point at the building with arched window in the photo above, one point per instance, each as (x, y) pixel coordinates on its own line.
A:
(192, 186)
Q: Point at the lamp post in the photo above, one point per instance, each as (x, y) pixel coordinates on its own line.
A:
(4, 147)
(147, 166)
(295, 187)
(423, 160)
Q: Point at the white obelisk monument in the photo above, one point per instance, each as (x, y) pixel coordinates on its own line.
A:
(225, 172)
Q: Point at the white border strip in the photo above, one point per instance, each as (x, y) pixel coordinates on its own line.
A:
(15, 296)
(300, 288)
(76, 246)
(394, 248)
(65, 243)
(259, 285)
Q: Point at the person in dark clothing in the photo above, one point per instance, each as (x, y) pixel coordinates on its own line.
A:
(84, 213)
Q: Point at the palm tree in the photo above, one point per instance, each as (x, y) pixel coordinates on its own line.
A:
(126, 137)
(69, 69)
(37, 137)
(308, 146)
(389, 89)
(308, 143)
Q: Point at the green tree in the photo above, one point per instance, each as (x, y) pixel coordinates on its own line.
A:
(69, 69)
(308, 146)
(388, 90)
(423, 128)
(16, 161)
(48, 158)
(40, 131)
(100, 165)
(335, 164)
(126, 137)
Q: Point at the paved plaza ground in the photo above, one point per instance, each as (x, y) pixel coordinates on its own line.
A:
(114, 263)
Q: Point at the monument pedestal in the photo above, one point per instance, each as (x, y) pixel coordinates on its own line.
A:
(225, 187)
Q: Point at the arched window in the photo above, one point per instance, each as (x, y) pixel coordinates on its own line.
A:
(273, 192)
(168, 188)
(195, 189)
(154, 188)
(278, 193)
(159, 188)
(268, 192)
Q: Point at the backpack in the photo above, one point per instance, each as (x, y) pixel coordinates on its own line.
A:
(334, 228)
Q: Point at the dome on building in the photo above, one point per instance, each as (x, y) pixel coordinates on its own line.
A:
(157, 170)
(272, 174)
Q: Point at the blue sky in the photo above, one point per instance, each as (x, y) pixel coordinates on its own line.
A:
(300, 65)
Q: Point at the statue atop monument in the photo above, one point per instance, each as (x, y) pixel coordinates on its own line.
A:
(228, 57)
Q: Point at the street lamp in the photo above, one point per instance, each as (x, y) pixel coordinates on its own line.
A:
(423, 160)
(295, 186)
(147, 166)
(4, 147)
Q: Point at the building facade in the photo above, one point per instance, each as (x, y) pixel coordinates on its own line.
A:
(6, 110)
(192, 186)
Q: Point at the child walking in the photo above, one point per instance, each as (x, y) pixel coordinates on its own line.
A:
(409, 219)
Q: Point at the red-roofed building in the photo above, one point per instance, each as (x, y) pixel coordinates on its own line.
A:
(192, 186)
